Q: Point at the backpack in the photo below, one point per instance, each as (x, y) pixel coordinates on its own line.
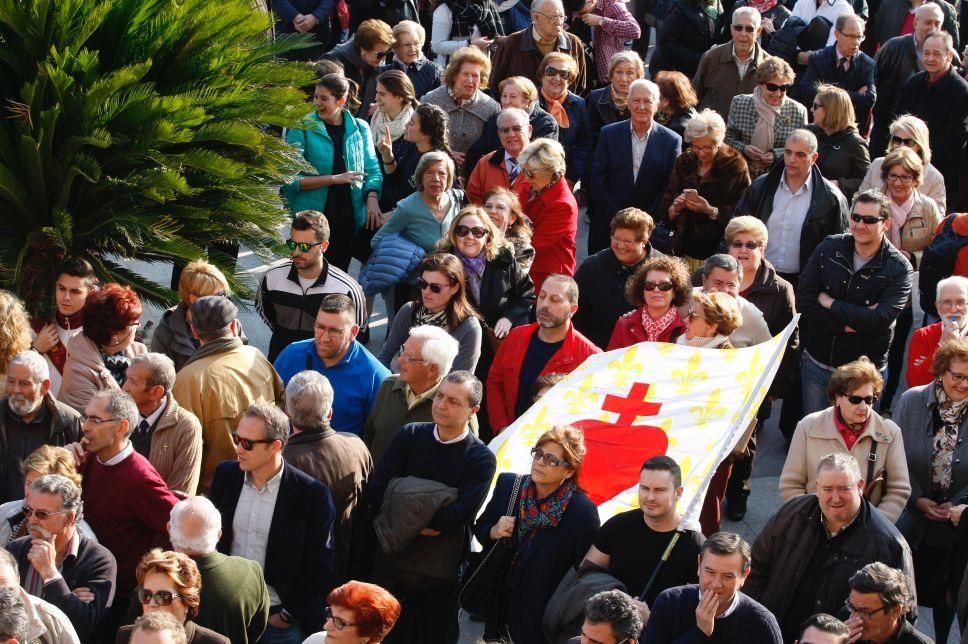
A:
(938, 262)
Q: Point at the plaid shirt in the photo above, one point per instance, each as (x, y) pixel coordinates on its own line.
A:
(610, 38)
(742, 120)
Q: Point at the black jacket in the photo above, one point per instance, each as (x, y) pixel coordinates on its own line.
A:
(506, 291)
(783, 550)
(63, 427)
(896, 61)
(775, 299)
(884, 283)
(299, 554)
(827, 214)
(844, 158)
(543, 126)
(601, 282)
(686, 34)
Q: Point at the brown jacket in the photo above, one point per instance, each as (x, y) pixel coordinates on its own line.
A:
(518, 55)
(176, 448)
(717, 80)
(85, 373)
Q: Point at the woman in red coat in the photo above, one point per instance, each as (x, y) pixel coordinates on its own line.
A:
(656, 290)
(552, 209)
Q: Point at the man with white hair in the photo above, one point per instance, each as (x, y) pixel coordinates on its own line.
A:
(501, 168)
(520, 54)
(338, 460)
(406, 397)
(30, 417)
(633, 161)
(952, 303)
(158, 627)
(234, 597)
(730, 69)
(169, 435)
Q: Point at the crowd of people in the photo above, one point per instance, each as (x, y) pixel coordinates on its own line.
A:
(784, 158)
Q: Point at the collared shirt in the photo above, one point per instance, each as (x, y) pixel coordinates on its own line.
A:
(786, 224)
(510, 162)
(807, 10)
(32, 582)
(732, 605)
(743, 65)
(253, 517)
(453, 440)
(142, 440)
(120, 456)
(831, 535)
(638, 149)
(415, 399)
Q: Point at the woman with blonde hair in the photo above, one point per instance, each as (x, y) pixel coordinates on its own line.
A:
(551, 526)
(910, 132)
(504, 209)
(558, 71)
(844, 158)
(14, 328)
(610, 104)
(408, 42)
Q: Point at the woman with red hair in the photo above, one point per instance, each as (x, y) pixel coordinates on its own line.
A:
(358, 612)
(98, 358)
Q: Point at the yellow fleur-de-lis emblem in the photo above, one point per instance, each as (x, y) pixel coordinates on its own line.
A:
(748, 379)
(690, 376)
(664, 348)
(528, 433)
(704, 414)
(625, 370)
(580, 399)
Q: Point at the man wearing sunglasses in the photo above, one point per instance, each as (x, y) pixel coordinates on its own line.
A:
(31, 619)
(729, 69)
(280, 517)
(501, 169)
(851, 292)
(290, 294)
(55, 559)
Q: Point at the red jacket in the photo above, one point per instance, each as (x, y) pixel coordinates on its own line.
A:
(924, 343)
(492, 172)
(503, 380)
(554, 215)
(629, 330)
(960, 226)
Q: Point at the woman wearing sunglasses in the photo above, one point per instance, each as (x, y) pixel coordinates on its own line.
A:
(844, 157)
(357, 613)
(551, 528)
(557, 71)
(442, 302)
(657, 289)
(851, 425)
(759, 123)
(362, 57)
(170, 582)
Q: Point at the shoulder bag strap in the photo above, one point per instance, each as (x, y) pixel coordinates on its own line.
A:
(515, 491)
(871, 459)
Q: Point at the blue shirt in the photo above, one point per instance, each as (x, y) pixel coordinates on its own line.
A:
(355, 380)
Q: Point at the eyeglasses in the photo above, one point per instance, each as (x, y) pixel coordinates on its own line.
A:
(960, 378)
(773, 87)
(161, 597)
(302, 246)
(248, 444)
(409, 45)
(747, 28)
(517, 129)
(464, 231)
(97, 421)
(403, 357)
(703, 148)
(863, 613)
(625, 242)
(665, 286)
(870, 220)
(857, 37)
(750, 245)
(555, 18)
(554, 71)
(548, 459)
(856, 400)
(817, 106)
(338, 622)
(43, 515)
(433, 286)
(692, 314)
(896, 140)
(902, 178)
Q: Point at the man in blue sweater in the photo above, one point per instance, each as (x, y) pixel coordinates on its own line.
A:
(714, 610)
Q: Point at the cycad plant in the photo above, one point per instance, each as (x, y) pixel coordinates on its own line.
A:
(139, 129)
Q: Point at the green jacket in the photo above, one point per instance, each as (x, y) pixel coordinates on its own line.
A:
(317, 149)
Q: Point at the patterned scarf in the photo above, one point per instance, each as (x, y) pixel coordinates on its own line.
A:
(766, 115)
(945, 440)
(538, 514)
(467, 13)
(118, 366)
(380, 120)
(557, 110)
(424, 316)
(474, 270)
(762, 5)
(655, 328)
(620, 101)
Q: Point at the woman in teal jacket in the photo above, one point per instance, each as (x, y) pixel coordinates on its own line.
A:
(347, 187)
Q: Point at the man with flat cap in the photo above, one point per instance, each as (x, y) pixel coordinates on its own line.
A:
(221, 380)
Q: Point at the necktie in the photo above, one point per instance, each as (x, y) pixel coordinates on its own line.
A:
(844, 64)
(143, 426)
(513, 170)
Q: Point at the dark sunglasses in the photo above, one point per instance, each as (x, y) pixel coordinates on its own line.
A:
(747, 28)
(856, 400)
(548, 459)
(554, 71)
(529, 173)
(302, 246)
(867, 219)
(161, 597)
(247, 443)
(42, 515)
(750, 245)
(896, 140)
(433, 286)
(773, 87)
(382, 54)
(464, 231)
(665, 287)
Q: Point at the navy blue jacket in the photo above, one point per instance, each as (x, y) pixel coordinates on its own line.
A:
(576, 138)
(426, 75)
(612, 186)
(299, 555)
(287, 10)
(823, 67)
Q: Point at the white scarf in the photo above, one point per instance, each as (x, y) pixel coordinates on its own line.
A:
(701, 342)
(380, 121)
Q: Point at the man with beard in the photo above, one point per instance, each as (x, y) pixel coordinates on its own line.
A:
(550, 345)
(30, 417)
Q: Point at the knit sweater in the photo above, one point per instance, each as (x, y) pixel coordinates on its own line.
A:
(673, 621)
(234, 598)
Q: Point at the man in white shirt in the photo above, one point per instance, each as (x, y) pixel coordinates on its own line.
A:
(807, 10)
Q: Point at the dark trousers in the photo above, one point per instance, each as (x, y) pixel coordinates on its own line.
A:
(895, 356)
(428, 616)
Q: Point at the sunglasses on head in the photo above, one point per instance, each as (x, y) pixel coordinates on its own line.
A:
(42, 515)
(433, 286)
(464, 231)
(896, 140)
(665, 286)
(750, 245)
(161, 597)
(302, 246)
(870, 220)
(856, 400)
(773, 87)
(554, 71)
(747, 28)
(248, 444)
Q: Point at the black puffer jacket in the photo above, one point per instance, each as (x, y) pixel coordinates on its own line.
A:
(506, 290)
(868, 301)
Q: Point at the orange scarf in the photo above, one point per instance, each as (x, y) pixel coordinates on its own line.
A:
(557, 111)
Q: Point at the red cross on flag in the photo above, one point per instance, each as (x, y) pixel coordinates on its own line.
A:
(648, 399)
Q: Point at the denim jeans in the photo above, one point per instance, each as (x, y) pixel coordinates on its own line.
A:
(814, 380)
(273, 635)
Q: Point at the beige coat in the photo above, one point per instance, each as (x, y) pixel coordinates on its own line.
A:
(817, 435)
(176, 448)
(85, 373)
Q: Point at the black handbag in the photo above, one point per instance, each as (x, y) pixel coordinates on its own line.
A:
(483, 586)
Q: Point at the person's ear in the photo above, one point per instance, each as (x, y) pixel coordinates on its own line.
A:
(158, 394)
(354, 331)
(44, 387)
